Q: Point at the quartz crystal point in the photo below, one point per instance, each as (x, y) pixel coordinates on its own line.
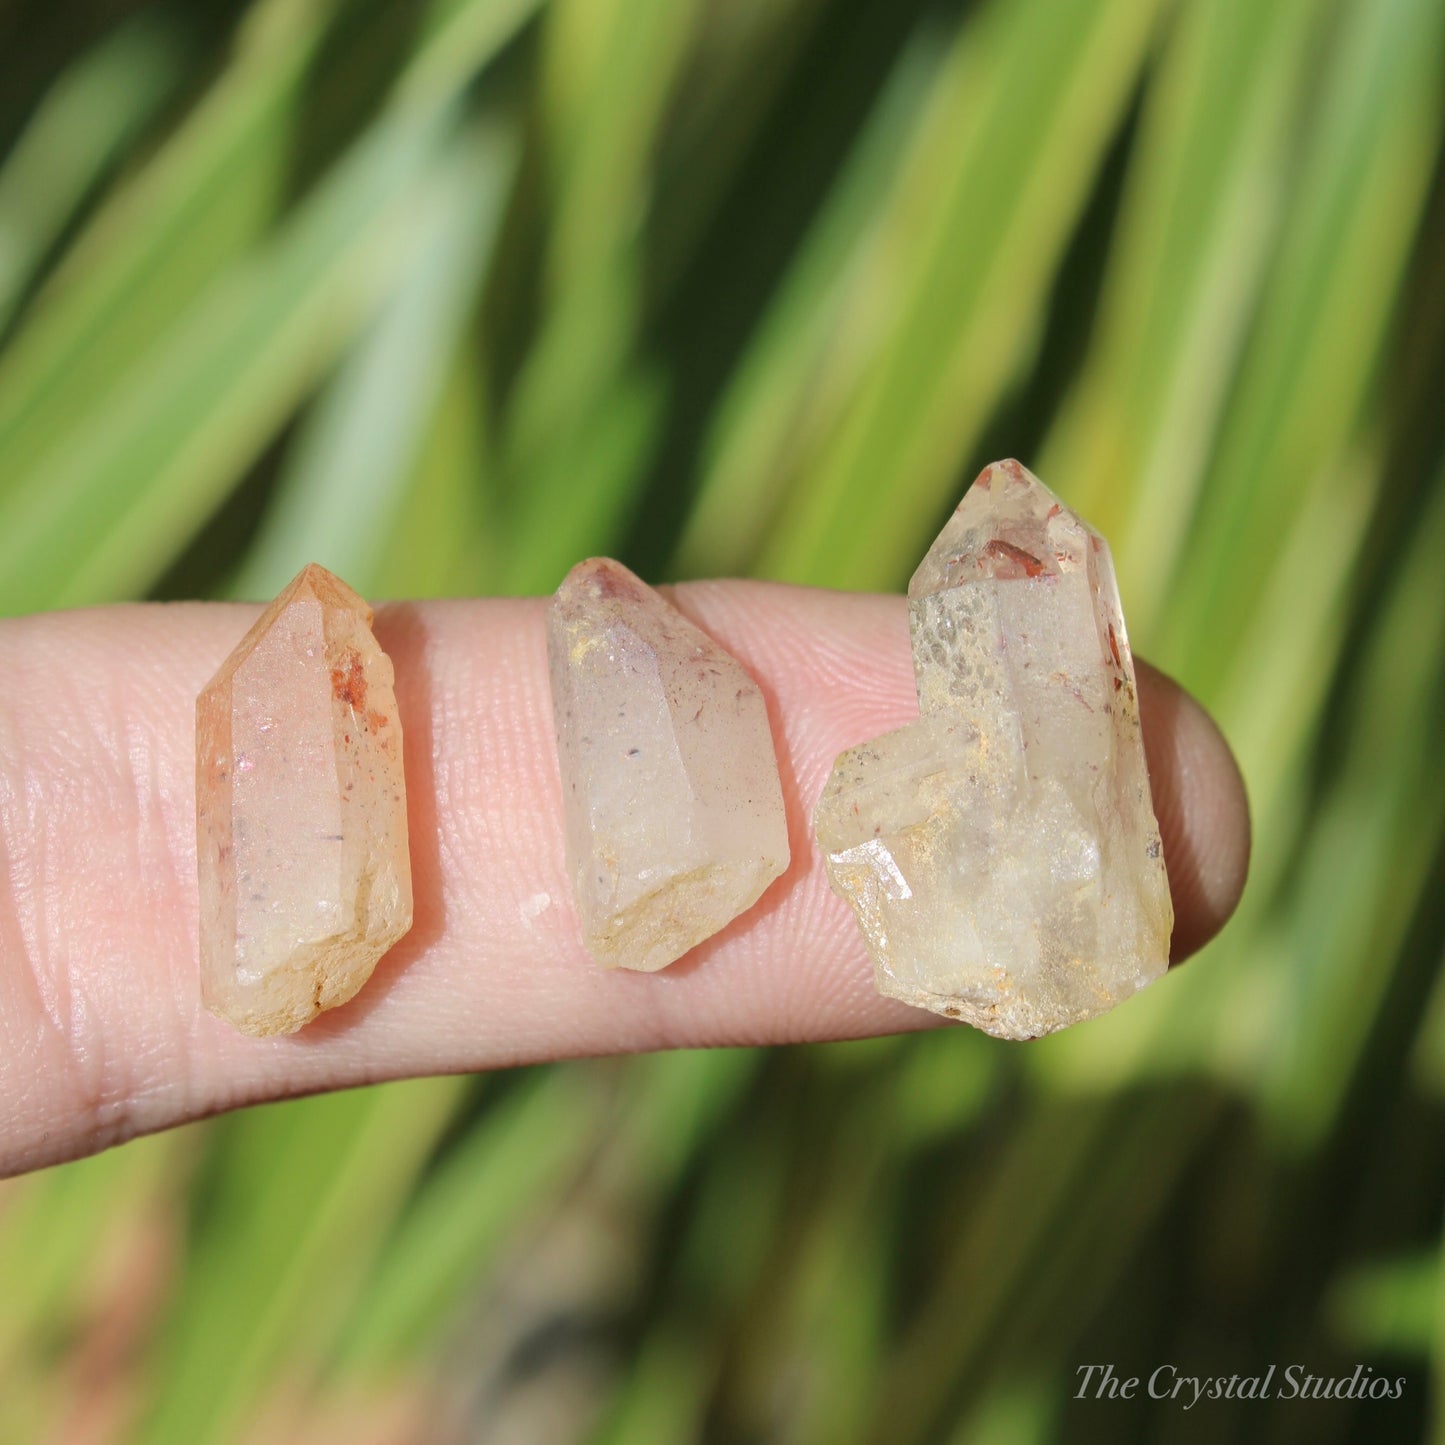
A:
(301, 812)
(1002, 853)
(672, 805)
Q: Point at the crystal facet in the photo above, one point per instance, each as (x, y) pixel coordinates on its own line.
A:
(1002, 853)
(673, 808)
(301, 836)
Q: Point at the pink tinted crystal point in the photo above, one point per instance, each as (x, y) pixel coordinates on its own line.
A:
(673, 809)
(301, 836)
(1001, 853)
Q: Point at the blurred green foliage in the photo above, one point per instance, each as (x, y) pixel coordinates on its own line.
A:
(731, 286)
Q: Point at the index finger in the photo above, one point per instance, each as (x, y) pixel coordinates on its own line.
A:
(102, 1034)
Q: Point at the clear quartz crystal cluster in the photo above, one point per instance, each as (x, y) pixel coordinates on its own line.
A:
(305, 878)
(1001, 853)
(673, 809)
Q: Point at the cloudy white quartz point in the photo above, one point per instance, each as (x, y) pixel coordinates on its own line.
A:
(673, 808)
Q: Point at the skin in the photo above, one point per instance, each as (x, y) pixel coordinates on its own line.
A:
(102, 1034)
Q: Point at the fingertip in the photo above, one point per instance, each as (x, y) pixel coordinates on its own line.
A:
(1203, 810)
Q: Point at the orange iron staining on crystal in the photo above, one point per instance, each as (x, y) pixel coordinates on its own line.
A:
(301, 833)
